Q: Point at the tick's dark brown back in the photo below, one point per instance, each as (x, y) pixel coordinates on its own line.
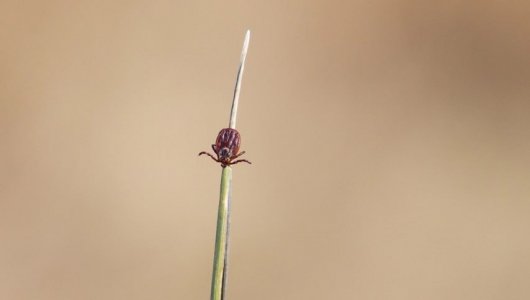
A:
(229, 138)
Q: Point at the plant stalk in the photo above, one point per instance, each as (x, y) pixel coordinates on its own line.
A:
(221, 237)
(220, 264)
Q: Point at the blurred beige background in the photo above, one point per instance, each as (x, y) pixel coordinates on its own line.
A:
(390, 142)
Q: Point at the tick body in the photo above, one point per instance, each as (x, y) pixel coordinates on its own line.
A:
(226, 148)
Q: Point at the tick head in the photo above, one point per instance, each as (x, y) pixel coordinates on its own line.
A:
(225, 154)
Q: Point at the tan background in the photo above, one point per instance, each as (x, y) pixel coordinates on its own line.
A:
(390, 142)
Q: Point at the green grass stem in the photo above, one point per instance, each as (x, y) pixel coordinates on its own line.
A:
(220, 261)
(221, 237)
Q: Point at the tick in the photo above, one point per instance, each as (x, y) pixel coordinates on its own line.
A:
(226, 148)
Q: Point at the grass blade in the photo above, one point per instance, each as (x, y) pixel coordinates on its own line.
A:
(221, 237)
(220, 264)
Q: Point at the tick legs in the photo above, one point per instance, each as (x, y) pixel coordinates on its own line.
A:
(238, 155)
(226, 164)
(240, 160)
(204, 152)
